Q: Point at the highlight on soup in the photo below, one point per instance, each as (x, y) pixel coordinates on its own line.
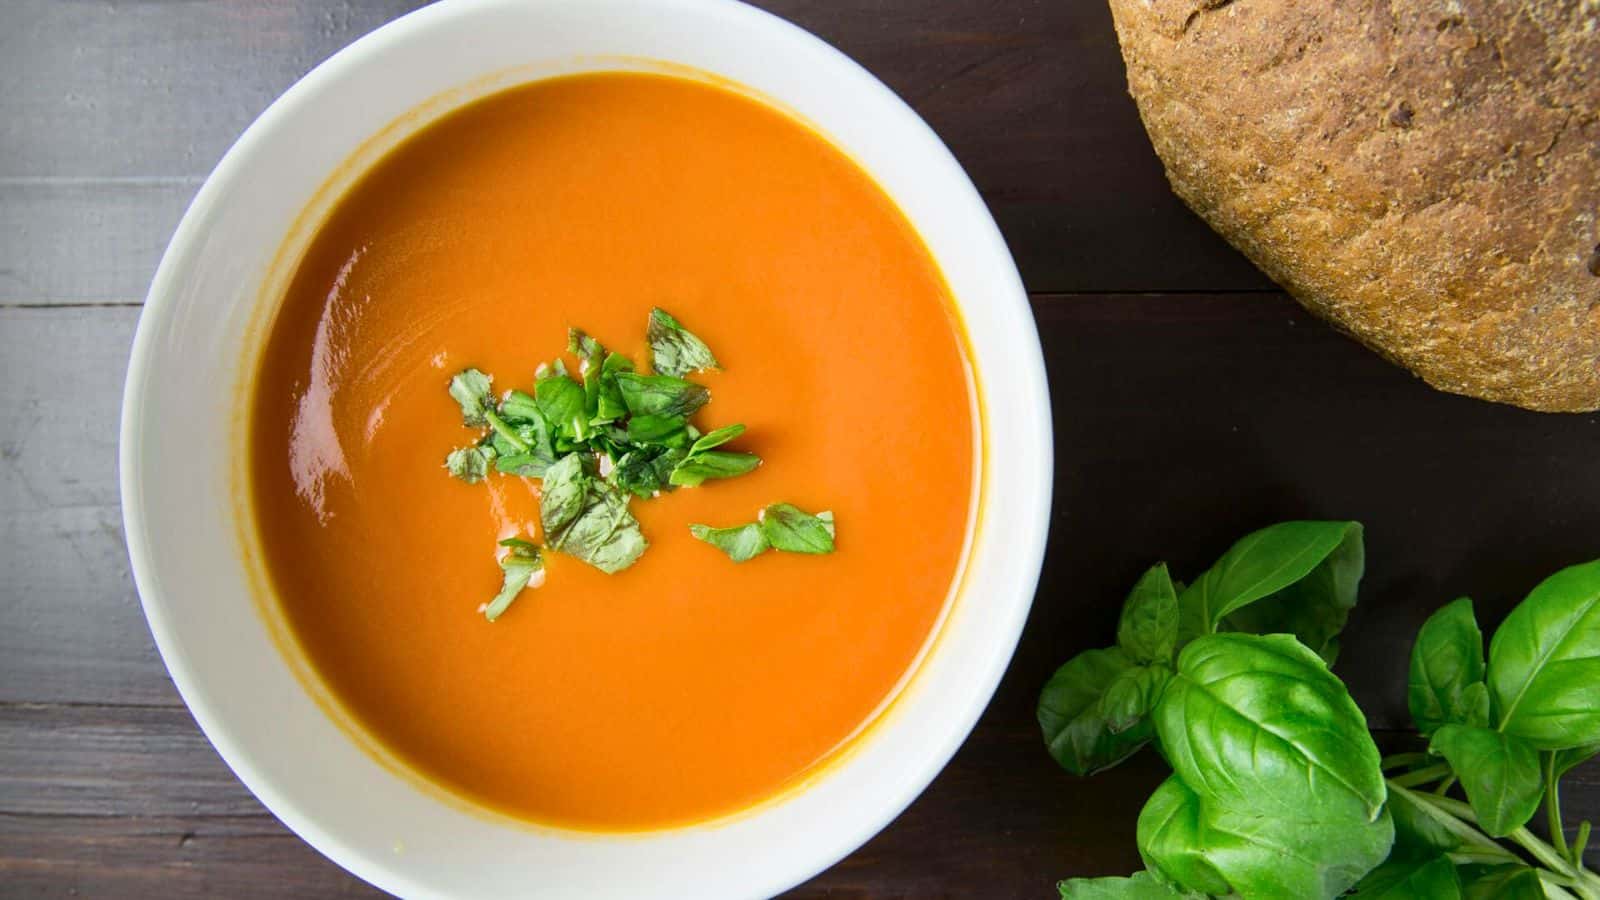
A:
(611, 452)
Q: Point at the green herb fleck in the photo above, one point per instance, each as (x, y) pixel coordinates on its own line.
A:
(661, 395)
(521, 564)
(470, 388)
(674, 350)
(741, 542)
(666, 431)
(645, 471)
(561, 401)
(588, 518)
(794, 530)
(699, 467)
(781, 526)
(470, 464)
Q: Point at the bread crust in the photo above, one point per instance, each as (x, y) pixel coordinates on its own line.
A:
(1423, 173)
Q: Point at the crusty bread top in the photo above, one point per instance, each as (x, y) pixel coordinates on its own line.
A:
(1425, 174)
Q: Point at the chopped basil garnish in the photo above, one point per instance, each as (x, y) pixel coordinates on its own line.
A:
(717, 438)
(741, 542)
(661, 395)
(521, 565)
(646, 471)
(608, 435)
(665, 431)
(586, 517)
(471, 389)
(791, 528)
(674, 350)
(781, 526)
(698, 467)
(470, 464)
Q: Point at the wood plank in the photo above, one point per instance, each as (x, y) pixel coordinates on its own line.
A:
(1184, 422)
(113, 761)
(241, 858)
(70, 625)
(151, 88)
(132, 797)
(70, 240)
(1029, 95)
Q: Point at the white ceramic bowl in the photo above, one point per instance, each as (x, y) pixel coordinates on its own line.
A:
(182, 419)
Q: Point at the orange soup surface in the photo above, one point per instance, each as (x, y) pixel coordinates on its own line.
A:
(687, 686)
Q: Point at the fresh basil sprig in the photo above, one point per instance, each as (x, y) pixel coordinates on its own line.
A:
(1278, 790)
(1285, 570)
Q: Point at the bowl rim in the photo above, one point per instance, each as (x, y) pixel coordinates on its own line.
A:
(1027, 540)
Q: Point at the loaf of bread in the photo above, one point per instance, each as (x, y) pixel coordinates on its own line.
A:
(1423, 173)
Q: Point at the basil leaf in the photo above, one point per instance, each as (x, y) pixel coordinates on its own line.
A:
(1420, 828)
(1069, 714)
(470, 464)
(562, 403)
(1142, 886)
(470, 388)
(1316, 607)
(792, 529)
(1286, 777)
(1544, 662)
(1416, 829)
(644, 471)
(588, 518)
(610, 406)
(673, 349)
(1290, 795)
(562, 493)
(527, 465)
(660, 395)
(1257, 724)
(1311, 856)
(1198, 844)
(1129, 698)
(521, 565)
(591, 356)
(1172, 840)
(522, 442)
(1499, 772)
(1509, 882)
(1148, 629)
(1425, 878)
(1258, 566)
(519, 407)
(667, 431)
(699, 467)
(717, 438)
(741, 542)
(1572, 757)
(1446, 681)
(605, 534)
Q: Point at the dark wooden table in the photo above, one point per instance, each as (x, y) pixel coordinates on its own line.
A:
(1192, 401)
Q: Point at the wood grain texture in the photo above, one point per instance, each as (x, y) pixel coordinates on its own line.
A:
(85, 240)
(70, 626)
(115, 110)
(1183, 419)
(133, 802)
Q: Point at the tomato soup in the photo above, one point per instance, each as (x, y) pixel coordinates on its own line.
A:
(687, 686)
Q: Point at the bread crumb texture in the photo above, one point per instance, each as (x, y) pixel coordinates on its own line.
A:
(1424, 174)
